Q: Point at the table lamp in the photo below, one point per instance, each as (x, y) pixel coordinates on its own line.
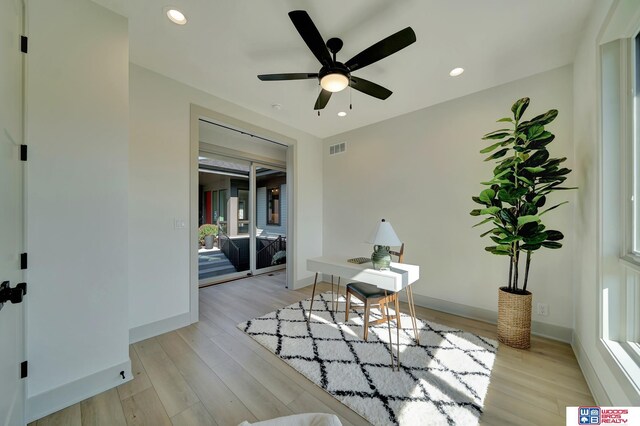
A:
(383, 237)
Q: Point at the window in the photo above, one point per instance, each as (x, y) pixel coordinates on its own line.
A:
(273, 206)
(620, 199)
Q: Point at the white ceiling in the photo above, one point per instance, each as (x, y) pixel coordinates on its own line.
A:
(226, 43)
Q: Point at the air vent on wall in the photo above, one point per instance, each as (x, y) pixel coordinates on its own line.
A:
(338, 148)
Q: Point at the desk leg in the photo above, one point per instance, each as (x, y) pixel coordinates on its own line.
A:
(313, 295)
(337, 296)
(412, 311)
(397, 309)
(386, 312)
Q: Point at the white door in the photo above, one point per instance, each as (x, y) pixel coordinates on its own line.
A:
(11, 211)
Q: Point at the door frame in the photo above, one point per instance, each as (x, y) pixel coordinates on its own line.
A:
(196, 113)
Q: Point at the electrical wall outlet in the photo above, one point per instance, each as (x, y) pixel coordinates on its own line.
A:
(542, 309)
(179, 224)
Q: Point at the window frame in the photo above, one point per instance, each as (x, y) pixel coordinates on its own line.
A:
(269, 190)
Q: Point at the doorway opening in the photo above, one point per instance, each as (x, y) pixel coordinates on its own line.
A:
(242, 204)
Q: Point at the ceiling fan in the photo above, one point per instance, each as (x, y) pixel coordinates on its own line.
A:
(334, 76)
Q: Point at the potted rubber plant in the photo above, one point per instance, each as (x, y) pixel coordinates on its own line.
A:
(514, 205)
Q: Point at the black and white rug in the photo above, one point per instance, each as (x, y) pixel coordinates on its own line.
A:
(442, 380)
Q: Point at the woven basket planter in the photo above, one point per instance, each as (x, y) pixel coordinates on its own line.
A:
(514, 319)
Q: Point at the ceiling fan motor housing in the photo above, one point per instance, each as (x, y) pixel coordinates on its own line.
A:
(335, 68)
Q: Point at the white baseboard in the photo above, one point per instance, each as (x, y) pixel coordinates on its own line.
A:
(594, 383)
(156, 328)
(48, 402)
(304, 282)
(556, 332)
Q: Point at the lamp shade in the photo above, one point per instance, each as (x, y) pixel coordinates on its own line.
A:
(384, 235)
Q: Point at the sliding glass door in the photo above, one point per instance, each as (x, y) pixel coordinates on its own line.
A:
(243, 218)
(223, 251)
(270, 217)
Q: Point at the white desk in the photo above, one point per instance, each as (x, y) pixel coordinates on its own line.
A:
(399, 276)
(396, 278)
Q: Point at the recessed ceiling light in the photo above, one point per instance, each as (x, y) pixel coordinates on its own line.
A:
(342, 114)
(456, 72)
(176, 16)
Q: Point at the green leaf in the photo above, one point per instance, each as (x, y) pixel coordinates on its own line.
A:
(553, 207)
(552, 244)
(507, 217)
(534, 170)
(525, 180)
(487, 195)
(519, 107)
(478, 200)
(507, 119)
(499, 250)
(536, 238)
(497, 154)
(491, 148)
(534, 131)
(490, 210)
(493, 230)
(475, 212)
(527, 218)
(528, 229)
(530, 247)
(483, 222)
(537, 159)
(554, 235)
(539, 200)
(545, 118)
(510, 239)
(496, 135)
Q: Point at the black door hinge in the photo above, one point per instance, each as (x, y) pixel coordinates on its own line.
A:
(23, 260)
(23, 153)
(24, 44)
(24, 369)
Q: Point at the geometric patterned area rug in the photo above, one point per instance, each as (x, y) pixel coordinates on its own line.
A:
(442, 380)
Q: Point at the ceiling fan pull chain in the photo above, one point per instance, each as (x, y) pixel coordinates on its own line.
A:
(350, 104)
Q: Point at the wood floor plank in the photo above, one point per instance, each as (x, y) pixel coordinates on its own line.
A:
(221, 403)
(172, 388)
(145, 408)
(70, 416)
(277, 383)
(140, 381)
(196, 415)
(103, 409)
(306, 403)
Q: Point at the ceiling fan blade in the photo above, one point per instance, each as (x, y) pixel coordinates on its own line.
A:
(310, 34)
(323, 99)
(286, 76)
(382, 49)
(369, 88)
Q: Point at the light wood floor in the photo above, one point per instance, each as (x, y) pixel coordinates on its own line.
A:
(211, 373)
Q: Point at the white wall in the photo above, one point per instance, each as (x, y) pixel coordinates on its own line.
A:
(597, 369)
(159, 182)
(420, 170)
(77, 183)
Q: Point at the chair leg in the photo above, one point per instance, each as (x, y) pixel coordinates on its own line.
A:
(313, 294)
(366, 319)
(347, 296)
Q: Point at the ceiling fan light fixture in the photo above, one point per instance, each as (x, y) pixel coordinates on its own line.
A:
(176, 16)
(334, 82)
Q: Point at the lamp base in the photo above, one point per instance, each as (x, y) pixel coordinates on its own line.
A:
(381, 258)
